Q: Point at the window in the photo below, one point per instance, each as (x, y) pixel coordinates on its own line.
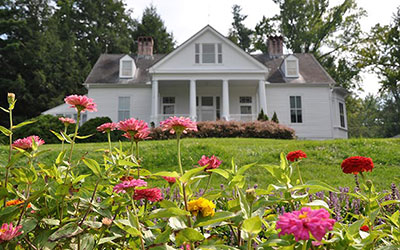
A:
(246, 103)
(341, 114)
(208, 53)
(124, 103)
(290, 66)
(126, 69)
(295, 109)
(207, 101)
(168, 105)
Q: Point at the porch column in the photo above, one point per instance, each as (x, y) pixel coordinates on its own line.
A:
(262, 96)
(154, 102)
(192, 100)
(225, 100)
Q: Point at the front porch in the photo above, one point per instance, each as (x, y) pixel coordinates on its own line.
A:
(208, 99)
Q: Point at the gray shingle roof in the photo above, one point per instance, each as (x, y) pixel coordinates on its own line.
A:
(106, 70)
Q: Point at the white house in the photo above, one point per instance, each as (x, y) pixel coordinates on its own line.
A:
(209, 78)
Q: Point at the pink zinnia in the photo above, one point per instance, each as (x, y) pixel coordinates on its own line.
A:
(129, 184)
(67, 121)
(26, 143)
(8, 232)
(178, 125)
(302, 223)
(211, 162)
(150, 194)
(81, 103)
(169, 179)
(132, 126)
(139, 136)
(107, 127)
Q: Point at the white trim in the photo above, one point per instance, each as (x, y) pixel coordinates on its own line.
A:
(296, 109)
(294, 59)
(168, 104)
(344, 115)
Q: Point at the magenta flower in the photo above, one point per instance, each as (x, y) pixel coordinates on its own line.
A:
(67, 121)
(26, 143)
(8, 232)
(150, 194)
(107, 127)
(129, 184)
(132, 126)
(178, 125)
(211, 162)
(170, 180)
(81, 103)
(302, 223)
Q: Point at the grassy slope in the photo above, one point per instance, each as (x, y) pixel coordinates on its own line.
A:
(323, 162)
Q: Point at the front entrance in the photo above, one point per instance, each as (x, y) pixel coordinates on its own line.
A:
(208, 108)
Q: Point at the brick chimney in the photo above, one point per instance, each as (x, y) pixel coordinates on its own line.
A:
(145, 46)
(275, 46)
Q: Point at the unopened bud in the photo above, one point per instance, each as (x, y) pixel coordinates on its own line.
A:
(106, 221)
(11, 98)
(251, 194)
(369, 183)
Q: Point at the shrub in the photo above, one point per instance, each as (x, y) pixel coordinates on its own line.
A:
(222, 129)
(41, 128)
(262, 116)
(275, 118)
(90, 126)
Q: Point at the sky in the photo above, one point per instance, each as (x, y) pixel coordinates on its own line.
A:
(186, 17)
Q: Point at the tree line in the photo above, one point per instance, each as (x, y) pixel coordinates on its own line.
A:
(49, 47)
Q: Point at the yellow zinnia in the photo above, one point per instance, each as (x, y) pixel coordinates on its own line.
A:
(202, 205)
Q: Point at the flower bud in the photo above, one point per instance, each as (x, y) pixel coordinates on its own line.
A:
(106, 221)
(11, 98)
(251, 195)
(369, 183)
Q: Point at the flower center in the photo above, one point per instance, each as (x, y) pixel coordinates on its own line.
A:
(2, 230)
(303, 216)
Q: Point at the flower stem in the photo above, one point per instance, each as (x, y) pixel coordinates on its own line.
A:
(357, 183)
(9, 155)
(189, 220)
(62, 143)
(109, 141)
(28, 191)
(137, 158)
(208, 182)
(249, 242)
(178, 138)
(298, 171)
(138, 223)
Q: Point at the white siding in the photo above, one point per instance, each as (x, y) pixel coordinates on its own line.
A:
(107, 102)
(316, 109)
(338, 131)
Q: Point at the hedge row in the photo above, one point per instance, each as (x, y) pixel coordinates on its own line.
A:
(257, 129)
(226, 129)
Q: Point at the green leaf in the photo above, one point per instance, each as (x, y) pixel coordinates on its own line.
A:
(84, 136)
(69, 230)
(244, 205)
(167, 204)
(51, 222)
(127, 163)
(23, 124)
(218, 217)
(87, 241)
(5, 131)
(221, 172)
(59, 136)
(168, 174)
(284, 162)
(93, 165)
(5, 110)
(108, 239)
(188, 235)
(190, 173)
(92, 224)
(28, 224)
(176, 223)
(66, 137)
(252, 225)
(245, 168)
(315, 186)
(318, 203)
(163, 237)
(14, 159)
(355, 227)
(3, 193)
(167, 212)
(126, 226)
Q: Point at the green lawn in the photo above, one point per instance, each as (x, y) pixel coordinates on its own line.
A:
(323, 162)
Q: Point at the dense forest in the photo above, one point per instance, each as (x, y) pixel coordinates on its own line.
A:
(47, 48)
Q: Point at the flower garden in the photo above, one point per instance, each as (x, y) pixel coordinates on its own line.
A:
(118, 204)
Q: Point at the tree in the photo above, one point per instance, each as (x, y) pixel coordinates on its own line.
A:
(330, 34)
(239, 33)
(262, 116)
(381, 54)
(275, 118)
(152, 25)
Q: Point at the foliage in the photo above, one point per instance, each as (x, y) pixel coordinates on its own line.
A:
(226, 129)
(262, 116)
(239, 33)
(152, 25)
(381, 53)
(275, 118)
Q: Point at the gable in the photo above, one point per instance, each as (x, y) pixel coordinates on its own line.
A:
(183, 59)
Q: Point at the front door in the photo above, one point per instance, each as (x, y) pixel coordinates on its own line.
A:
(207, 108)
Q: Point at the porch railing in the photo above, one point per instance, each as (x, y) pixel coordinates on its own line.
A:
(242, 117)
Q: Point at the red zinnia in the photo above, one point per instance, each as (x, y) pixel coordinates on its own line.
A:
(169, 179)
(357, 164)
(150, 194)
(296, 155)
(364, 228)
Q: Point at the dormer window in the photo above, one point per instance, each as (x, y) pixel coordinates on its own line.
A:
(208, 53)
(291, 66)
(127, 67)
